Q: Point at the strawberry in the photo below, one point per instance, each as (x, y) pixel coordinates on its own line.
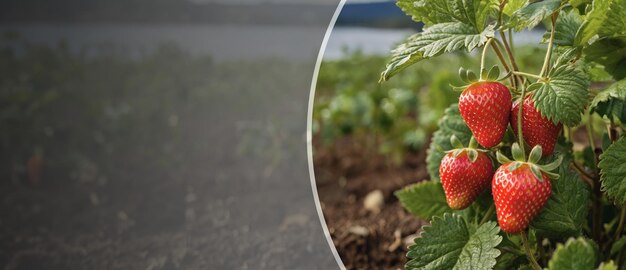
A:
(485, 107)
(465, 173)
(521, 189)
(536, 129)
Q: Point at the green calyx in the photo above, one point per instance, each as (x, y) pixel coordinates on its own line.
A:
(471, 149)
(533, 158)
(469, 77)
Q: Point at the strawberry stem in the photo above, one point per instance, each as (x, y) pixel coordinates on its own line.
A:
(527, 75)
(483, 56)
(546, 60)
(620, 226)
(529, 254)
(520, 134)
(488, 214)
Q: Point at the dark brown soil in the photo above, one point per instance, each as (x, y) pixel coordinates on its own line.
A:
(345, 174)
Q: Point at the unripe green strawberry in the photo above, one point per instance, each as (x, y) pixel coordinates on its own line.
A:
(462, 179)
(536, 129)
(485, 106)
(520, 189)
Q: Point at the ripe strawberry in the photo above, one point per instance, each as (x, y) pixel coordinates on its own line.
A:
(521, 189)
(462, 179)
(485, 107)
(536, 129)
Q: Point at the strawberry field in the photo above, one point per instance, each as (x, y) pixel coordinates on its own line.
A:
(470, 151)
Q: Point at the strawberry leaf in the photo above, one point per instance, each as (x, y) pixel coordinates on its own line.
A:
(450, 124)
(607, 18)
(576, 254)
(567, 24)
(532, 14)
(448, 243)
(566, 211)
(613, 171)
(611, 53)
(425, 199)
(563, 96)
(430, 12)
(611, 102)
(435, 40)
(513, 5)
(610, 265)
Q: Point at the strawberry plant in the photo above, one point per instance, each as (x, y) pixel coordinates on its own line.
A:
(542, 183)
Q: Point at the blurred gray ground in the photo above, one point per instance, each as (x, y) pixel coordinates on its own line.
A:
(167, 159)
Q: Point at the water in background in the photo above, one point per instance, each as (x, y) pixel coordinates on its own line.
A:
(199, 39)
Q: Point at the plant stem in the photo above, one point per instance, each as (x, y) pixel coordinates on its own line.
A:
(483, 56)
(529, 253)
(488, 214)
(509, 53)
(546, 60)
(620, 225)
(520, 134)
(592, 142)
(504, 64)
(584, 175)
(527, 75)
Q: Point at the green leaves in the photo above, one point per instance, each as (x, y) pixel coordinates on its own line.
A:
(566, 210)
(611, 102)
(576, 254)
(425, 199)
(613, 171)
(435, 40)
(449, 244)
(611, 53)
(567, 25)
(563, 96)
(450, 124)
(532, 14)
(607, 18)
(470, 12)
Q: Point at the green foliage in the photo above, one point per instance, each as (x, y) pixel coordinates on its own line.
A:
(448, 243)
(607, 18)
(567, 25)
(611, 53)
(576, 254)
(611, 102)
(470, 12)
(425, 199)
(435, 40)
(607, 266)
(564, 96)
(450, 124)
(613, 171)
(565, 213)
(531, 15)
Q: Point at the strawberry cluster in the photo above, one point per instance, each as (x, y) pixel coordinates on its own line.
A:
(521, 187)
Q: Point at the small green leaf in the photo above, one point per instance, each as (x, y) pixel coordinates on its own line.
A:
(513, 5)
(535, 154)
(611, 102)
(618, 245)
(435, 40)
(448, 243)
(425, 199)
(563, 96)
(532, 14)
(451, 123)
(613, 171)
(610, 265)
(566, 211)
(502, 159)
(576, 254)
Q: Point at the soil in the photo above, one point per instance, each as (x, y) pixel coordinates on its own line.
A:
(345, 174)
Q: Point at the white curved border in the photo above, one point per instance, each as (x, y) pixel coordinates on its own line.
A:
(309, 133)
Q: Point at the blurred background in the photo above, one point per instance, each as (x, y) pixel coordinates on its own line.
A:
(158, 134)
(370, 139)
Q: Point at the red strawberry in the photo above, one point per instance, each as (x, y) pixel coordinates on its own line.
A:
(537, 130)
(462, 179)
(485, 107)
(521, 188)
